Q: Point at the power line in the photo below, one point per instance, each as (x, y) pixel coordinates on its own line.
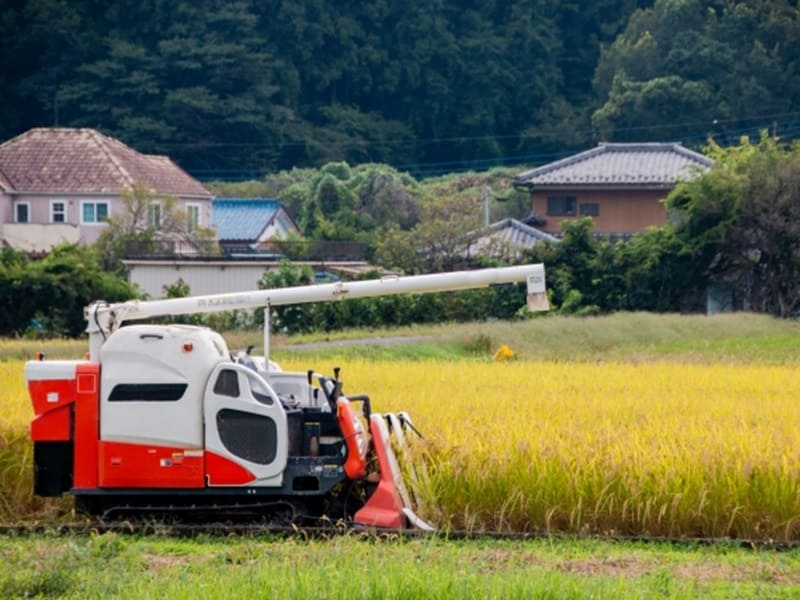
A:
(475, 138)
(788, 130)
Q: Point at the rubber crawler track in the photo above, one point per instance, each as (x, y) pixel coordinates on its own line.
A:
(186, 530)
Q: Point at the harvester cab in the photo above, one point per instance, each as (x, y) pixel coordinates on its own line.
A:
(165, 419)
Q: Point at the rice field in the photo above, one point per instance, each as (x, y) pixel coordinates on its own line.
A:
(651, 449)
(656, 449)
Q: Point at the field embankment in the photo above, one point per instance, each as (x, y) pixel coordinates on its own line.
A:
(111, 566)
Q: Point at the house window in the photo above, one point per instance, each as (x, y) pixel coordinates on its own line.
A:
(94, 212)
(154, 215)
(22, 212)
(58, 211)
(590, 209)
(561, 206)
(192, 217)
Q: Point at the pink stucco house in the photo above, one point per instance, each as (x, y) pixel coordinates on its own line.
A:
(60, 184)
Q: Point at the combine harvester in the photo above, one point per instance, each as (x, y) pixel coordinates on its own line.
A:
(163, 419)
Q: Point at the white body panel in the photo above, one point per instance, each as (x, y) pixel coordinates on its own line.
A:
(40, 370)
(293, 387)
(158, 354)
(267, 474)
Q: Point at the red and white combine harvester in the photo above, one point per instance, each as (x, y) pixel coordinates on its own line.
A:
(164, 419)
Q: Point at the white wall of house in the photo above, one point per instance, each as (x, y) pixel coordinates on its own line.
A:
(279, 227)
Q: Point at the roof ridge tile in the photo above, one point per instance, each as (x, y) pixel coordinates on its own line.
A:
(101, 142)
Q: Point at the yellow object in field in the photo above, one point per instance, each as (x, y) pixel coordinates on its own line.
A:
(504, 353)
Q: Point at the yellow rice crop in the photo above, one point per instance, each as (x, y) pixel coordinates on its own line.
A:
(651, 449)
(16, 455)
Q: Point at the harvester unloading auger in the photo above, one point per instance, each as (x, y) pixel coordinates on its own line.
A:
(164, 419)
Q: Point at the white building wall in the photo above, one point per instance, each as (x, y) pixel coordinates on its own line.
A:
(206, 277)
(213, 277)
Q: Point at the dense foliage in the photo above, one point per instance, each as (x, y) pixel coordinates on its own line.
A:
(741, 223)
(404, 223)
(713, 62)
(230, 87)
(47, 296)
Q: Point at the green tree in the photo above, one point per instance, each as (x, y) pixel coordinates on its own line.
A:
(149, 224)
(439, 242)
(698, 67)
(58, 287)
(295, 318)
(15, 316)
(231, 87)
(741, 223)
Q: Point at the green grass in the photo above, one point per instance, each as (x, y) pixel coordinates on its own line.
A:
(113, 565)
(738, 337)
(621, 337)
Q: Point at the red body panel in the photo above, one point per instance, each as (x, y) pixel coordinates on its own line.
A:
(53, 426)
(355, 465)
(222, 471)
(87, 425)
(384, 507)
(127, 465)
(52, 402)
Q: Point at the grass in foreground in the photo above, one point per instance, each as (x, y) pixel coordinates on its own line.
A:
(111, 565)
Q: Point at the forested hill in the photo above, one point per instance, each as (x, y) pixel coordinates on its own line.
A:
(231, 88)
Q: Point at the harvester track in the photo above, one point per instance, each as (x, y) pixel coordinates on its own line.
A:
(327, 531)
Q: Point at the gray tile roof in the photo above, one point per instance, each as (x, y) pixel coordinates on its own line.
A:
(66, 160)
(630, 165)
(509, 233)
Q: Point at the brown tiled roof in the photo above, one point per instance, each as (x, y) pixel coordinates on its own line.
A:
(84, 160)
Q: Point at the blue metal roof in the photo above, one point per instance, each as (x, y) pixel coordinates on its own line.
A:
(242, 218)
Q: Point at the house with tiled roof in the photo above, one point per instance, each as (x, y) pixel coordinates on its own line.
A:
(506, 239)
(620, 186)
(61, 184)
(249, 224)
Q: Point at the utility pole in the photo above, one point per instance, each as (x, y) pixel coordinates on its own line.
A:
(486, 206)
